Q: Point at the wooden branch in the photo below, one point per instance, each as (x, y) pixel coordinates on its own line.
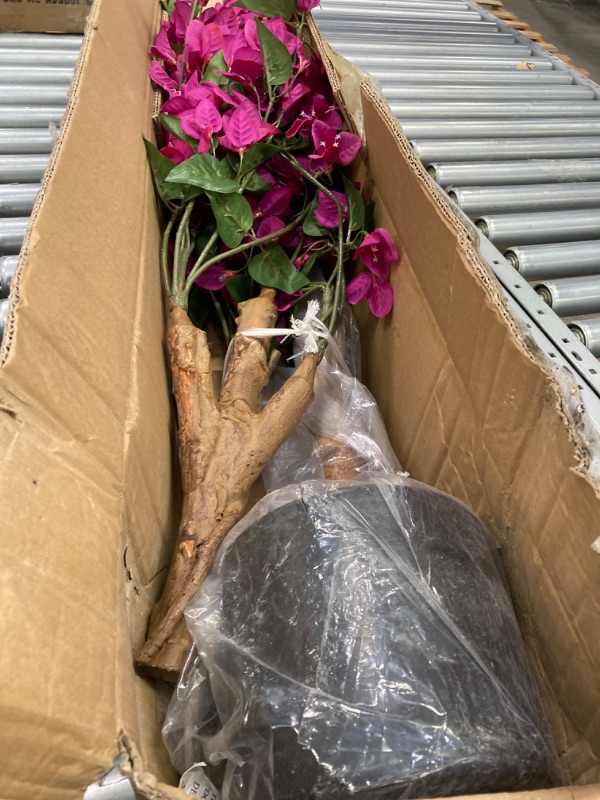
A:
(223, 448)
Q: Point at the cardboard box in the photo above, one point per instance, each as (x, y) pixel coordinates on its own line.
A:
(44, 16)
(89, 480)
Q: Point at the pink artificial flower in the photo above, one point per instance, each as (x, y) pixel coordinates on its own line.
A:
(160, 77)
(275, 202)
(283, 300)
(234, 43)
(245, 127)
(228, 20)
(279, 29)
(194, 93)
(281, 166)
(317, 108)
(314, 75)
(378, 253)
(339, 148)
(203, 41)
(378, 291)
(201, 123)
(246, 66)
(294, 94)
(269, 225)
(175, 106)
(326, 213)
(307, 5)
(267, 177)
(162, 46)
(180, 19)
(177, 150)
(213, 278)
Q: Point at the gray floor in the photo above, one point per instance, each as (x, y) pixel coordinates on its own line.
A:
(573, 26)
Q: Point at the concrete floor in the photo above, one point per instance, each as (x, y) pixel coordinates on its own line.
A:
(573, 26)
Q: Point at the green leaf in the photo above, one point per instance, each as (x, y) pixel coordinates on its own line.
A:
(356, 206)
(233, 215)
(173, 125)
(311, 227)
(254, 183)
(239, 287)
(269, 8)
(309, 264)
(168, 6)
(162, 167)
(257, 155)
(278, 61)
(217, 62)
(273, 268)
(295, 143)
(207, 172)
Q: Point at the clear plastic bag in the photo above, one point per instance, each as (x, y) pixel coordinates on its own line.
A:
(344, 412)
(356, 639)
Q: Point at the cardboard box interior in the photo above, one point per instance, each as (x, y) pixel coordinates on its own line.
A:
(86, 429)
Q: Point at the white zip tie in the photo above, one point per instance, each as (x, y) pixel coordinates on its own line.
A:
(310, 328)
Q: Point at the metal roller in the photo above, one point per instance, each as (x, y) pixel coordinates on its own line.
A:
(332, 16)
(12, 232)
(588, 331)
(430, 150)
(12, 116)
(38, 58)
(35, 75)
(501, 128)
(8, 266)
(22, 169)
(482, 94)
(503, 173)
(514, 138)
(431, 6)
(428, 47)
(19, 141)
(43, 41)
(540, 227)
(569, 259)
(16, 200)
(424, 37)
(491, 111)
(452, 62)
(3, 315)
(478, 200)
(31, 94)
(570, 297)
(391, 77)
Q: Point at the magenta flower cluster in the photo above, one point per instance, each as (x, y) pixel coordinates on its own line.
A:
(236, 77)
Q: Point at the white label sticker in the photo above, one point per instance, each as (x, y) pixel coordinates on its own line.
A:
(196, 784)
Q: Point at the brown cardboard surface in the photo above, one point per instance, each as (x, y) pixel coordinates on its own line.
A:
(86, 431)
(44, 16)
(470, 409)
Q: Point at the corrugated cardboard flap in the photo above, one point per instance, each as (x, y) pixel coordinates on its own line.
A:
(86, 432)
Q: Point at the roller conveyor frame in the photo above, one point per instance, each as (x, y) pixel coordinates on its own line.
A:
(559, 344)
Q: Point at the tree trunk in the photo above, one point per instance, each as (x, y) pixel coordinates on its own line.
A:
(223, 446)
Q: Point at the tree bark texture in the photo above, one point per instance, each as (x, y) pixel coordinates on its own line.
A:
(224, 443)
